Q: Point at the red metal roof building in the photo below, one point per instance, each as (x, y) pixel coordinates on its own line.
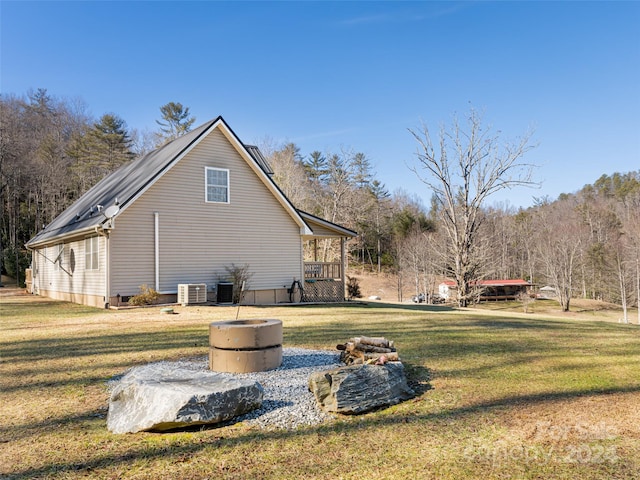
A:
(503, 289)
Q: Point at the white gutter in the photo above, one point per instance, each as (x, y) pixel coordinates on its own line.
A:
(62, 237)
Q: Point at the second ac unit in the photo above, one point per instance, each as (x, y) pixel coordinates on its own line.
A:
(189, 293)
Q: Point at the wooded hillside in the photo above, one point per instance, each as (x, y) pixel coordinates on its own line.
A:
(585, 243)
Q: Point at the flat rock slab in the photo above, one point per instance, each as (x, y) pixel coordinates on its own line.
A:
(165, 396)
(360, 388)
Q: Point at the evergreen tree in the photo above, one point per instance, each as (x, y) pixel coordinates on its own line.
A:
(316, 166)
(380, 196)
(361, 170)
(176, 121)
(101, 150)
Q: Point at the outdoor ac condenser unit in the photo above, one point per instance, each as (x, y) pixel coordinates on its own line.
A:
(189, 293)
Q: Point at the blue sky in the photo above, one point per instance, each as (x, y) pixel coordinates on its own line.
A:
(352, 75)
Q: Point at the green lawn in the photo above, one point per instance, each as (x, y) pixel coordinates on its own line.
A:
(501, 395)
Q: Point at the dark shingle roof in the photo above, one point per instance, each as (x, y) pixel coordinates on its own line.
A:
(124, 185)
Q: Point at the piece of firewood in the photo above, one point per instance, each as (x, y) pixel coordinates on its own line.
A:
(391, 357)
(372, 348)
(375, 341)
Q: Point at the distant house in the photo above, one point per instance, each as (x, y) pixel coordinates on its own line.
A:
(488, 289)
(547, 292)
(182, 215)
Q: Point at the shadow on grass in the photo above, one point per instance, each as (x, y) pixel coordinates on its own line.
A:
(66, 421)
(178, 452)
(419, 342)
(507, 323)
(33, 365)
(416, 307)
(420, 307)
(418, 379)
(43, 306)
(456, 342)
(100, 344)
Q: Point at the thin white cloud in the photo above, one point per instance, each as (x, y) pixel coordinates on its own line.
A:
(331, 133)
(406, 17)
(368, 19)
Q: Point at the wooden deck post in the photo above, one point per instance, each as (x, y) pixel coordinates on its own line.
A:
(343, 265)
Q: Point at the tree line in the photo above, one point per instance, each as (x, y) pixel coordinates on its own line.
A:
(52, 151)
(582, 244)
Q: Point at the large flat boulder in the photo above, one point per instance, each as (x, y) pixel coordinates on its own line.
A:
(164, 396)
(360, 388)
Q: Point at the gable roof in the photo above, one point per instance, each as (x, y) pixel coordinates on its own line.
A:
(126, 184)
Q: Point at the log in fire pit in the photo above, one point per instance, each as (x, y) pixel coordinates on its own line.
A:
(242, 346)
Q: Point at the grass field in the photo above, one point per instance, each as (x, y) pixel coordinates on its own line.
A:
(502, 394)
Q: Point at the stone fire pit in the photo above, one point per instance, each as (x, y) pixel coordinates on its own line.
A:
(242, 346)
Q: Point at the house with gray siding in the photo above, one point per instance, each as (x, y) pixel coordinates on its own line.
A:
(183, 215)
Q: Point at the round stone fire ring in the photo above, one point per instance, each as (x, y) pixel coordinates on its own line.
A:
(242, 346)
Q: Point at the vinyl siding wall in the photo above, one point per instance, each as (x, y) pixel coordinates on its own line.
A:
(198, 239)
(70, 281)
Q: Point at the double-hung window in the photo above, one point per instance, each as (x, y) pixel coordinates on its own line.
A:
(91, 253)
(217, 185)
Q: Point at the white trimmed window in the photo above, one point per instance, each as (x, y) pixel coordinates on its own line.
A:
(91, 253)
(217, 185)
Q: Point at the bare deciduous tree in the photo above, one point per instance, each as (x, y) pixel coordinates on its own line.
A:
(289, 173)
(35, 184)
(468, 167)
(143, 141)
(560, 242)
(630, 213)
(418, 258)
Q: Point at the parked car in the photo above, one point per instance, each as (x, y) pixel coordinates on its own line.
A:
(420, 298)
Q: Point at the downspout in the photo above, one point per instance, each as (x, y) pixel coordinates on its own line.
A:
(344, 264)
(107, 278)
(156, 249)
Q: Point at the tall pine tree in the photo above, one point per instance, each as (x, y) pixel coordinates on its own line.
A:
(101, 150)
(176, 121)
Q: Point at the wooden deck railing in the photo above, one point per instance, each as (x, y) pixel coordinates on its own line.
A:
(322, 270)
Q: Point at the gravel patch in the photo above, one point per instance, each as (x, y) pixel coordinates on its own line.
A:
(287, 402)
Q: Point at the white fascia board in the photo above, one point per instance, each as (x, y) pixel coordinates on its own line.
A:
(340, 230)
